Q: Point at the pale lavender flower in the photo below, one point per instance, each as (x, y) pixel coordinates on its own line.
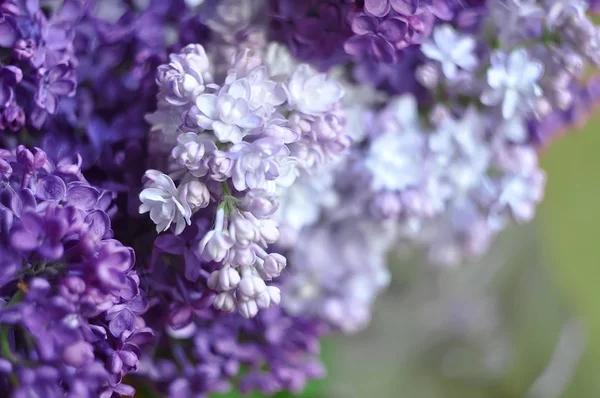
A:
(160, 198)
(512, 80)
(451, 50)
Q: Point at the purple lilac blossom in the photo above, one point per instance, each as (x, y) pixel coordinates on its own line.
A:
(245, 158)
(37, 63)
(72, 311)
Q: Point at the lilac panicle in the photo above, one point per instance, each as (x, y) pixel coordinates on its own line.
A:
(68, 287)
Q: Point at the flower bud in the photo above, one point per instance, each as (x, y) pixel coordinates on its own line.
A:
(220, 166)
(244, 256)
(224, 279)
(215, 245)
(242, 230)
(195, 193)
(260, 203)
(31, 160)
(250, 286)
(269, 298)
(274, 263)
(248, 308)
(269, 231)
(225, 302)
(78, 354)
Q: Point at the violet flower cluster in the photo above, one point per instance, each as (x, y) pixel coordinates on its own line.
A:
(456, 160)
(37, 63)
(71, 317)
(261, 159)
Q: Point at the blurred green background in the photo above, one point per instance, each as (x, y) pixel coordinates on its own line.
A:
(522, 322)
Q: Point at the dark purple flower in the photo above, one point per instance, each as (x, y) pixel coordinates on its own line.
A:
(10, 76)
(58, 81)
(31, 160)
(8, 31)
(80, 302)
(12, 118)
(41, 234)
(313, 33)
(376, 38)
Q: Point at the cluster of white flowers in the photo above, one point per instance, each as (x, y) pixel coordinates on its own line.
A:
(236, 147)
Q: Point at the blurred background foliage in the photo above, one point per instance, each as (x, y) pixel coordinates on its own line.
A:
(522, 322)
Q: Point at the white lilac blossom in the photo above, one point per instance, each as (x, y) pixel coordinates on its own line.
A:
(161, 199)
(452, 50)
(310, 92)
(242, 143)
(512, 80)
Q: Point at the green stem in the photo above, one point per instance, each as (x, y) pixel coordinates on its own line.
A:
(226, 188)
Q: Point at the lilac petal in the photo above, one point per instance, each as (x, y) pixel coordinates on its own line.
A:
(116, 363)
(11, 315)
(441, 9)
(383, 51)
(192, 265)
(129, 358)
(378, 8)
(405, 7)
(5, 367)
(6, 95)
(51, 188)
(138, 304)
(82, 196)
(8, 33)
(181, 317)
(130, 290)
(141, 337)
(125, 320)
(23, 201)
(170, 244)
(63, 87)
(98, 223)
(38, 117)
(364, 24)
(124, 390)
(393, 30)
(51, 251)
(24, 240)
(358, 45)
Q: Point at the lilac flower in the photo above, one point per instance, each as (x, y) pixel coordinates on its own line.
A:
(312, 93)
(314, 32)
(451, 50)
(191, 152)
(379, 39)
(73, 294)
(37, 233)
(58, 81)
(228, 114)
(254, 164)
(161, 199)
(512, 78)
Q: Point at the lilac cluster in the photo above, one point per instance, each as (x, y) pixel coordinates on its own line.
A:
(313, 31)
(37, 63)
(202, 350)
(455, 159)
(71, 319)
(237, 145)
(423, 128)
